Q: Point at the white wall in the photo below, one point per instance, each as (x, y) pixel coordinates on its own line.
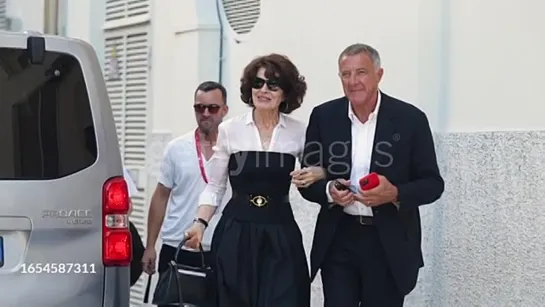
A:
(84, 19)
(465, 63)
(496, 65)
(314, 41)
(185, 52)
(27, 15)
(78, 19)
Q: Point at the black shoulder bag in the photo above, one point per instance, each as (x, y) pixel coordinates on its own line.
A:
(137, 253)
(182, 284)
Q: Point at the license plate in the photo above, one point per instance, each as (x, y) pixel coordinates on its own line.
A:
(1, 252)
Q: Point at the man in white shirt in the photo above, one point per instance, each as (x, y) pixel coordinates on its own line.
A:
(181, 180)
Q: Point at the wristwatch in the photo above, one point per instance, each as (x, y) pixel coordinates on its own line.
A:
(201, 221)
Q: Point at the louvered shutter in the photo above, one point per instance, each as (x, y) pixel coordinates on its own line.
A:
(128, 91)
(126, 74)
(126, 24)
(122, 9)
(3, 18)
(242, 15)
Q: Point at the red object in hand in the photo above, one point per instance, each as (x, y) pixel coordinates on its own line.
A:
(369, 182)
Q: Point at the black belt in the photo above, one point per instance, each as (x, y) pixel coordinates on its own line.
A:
(259, 208)
(261, 200)
(361, 219)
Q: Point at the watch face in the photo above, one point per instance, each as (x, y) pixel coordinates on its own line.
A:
(201, 221)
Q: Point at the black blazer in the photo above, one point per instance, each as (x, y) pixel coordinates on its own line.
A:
(403, 152)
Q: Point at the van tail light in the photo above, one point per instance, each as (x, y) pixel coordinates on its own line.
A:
(116, 236)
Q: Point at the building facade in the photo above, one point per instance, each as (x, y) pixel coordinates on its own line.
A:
(475, 68)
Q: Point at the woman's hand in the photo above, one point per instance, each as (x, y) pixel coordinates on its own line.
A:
(304, 177)
(193, 236)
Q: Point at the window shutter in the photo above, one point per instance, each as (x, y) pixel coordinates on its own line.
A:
(3, 18)
(137, 7)
(127, 38)
(126, 74)
(122, 9)
(242, 15)
(136, 90)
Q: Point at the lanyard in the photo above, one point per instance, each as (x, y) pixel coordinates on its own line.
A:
(199, 155)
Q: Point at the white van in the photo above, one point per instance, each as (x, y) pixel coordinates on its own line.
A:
(64, 236)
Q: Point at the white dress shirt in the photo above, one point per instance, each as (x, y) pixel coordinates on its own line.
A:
(241, 134)
(363, 137)
(181, 173)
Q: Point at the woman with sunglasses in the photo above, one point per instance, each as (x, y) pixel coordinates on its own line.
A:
(257, 246)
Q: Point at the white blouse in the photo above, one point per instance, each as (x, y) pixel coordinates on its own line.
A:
(241, 134)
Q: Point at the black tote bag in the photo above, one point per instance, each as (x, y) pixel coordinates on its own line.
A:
(137, 253)
(182, 284)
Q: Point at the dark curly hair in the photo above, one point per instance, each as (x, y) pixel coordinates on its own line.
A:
(277, 67)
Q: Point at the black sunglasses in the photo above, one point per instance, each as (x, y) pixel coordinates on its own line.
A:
(212, 108)
(272, 84)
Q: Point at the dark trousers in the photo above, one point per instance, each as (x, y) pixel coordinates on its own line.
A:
(356, 269)
(184, 257)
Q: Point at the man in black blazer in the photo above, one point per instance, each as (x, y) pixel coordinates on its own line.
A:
(367, 244)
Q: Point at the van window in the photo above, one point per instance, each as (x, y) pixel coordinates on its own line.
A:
(46, 125)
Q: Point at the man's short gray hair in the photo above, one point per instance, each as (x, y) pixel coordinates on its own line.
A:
(356, 49)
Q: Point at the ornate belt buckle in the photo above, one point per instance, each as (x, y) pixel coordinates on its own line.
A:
(258, 201)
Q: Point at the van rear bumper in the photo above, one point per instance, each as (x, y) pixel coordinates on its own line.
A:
(116, 287)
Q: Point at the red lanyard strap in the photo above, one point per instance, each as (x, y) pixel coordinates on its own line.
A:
(199, 155)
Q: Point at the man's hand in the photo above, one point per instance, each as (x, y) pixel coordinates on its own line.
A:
(384, 193)
(148, 260)
(341, 197)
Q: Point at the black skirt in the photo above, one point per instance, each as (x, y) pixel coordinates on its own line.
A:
(260, 265)
(257, 247)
